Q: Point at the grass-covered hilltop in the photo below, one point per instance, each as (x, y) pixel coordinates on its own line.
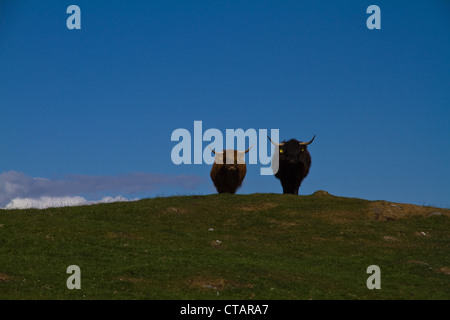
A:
(257, 246)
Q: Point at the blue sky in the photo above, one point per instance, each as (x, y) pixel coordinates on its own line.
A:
(91, 111)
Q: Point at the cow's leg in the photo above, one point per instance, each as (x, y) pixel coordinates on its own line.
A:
(288, 188)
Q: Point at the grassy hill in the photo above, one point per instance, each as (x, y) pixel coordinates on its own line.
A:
(258, 246)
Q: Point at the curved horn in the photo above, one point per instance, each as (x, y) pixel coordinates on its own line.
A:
(274, 143)
(214, 151)
(307, 143)
(246, 150)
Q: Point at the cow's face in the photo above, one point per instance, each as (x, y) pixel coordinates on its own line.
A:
(230, 157)
(290, 152)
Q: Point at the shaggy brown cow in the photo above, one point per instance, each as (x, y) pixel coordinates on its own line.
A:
(228, 170)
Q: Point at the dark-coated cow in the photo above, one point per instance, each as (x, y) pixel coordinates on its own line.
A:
(293, 163)
(228, 170)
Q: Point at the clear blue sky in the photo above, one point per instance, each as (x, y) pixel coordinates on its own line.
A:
(102, 101)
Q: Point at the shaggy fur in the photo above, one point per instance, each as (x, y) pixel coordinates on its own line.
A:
(293, 166)
(228, 177)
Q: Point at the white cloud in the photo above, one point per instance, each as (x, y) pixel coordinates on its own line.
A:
(20, 190)
(54, 202)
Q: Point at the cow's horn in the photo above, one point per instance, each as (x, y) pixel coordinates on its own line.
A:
(307, 143)
(246, 150)
(274, 143)
(214, 151)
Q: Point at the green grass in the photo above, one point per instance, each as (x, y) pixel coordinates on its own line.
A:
(270, 246)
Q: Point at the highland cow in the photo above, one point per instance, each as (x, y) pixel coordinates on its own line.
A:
(293, 163)
(228, 170)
